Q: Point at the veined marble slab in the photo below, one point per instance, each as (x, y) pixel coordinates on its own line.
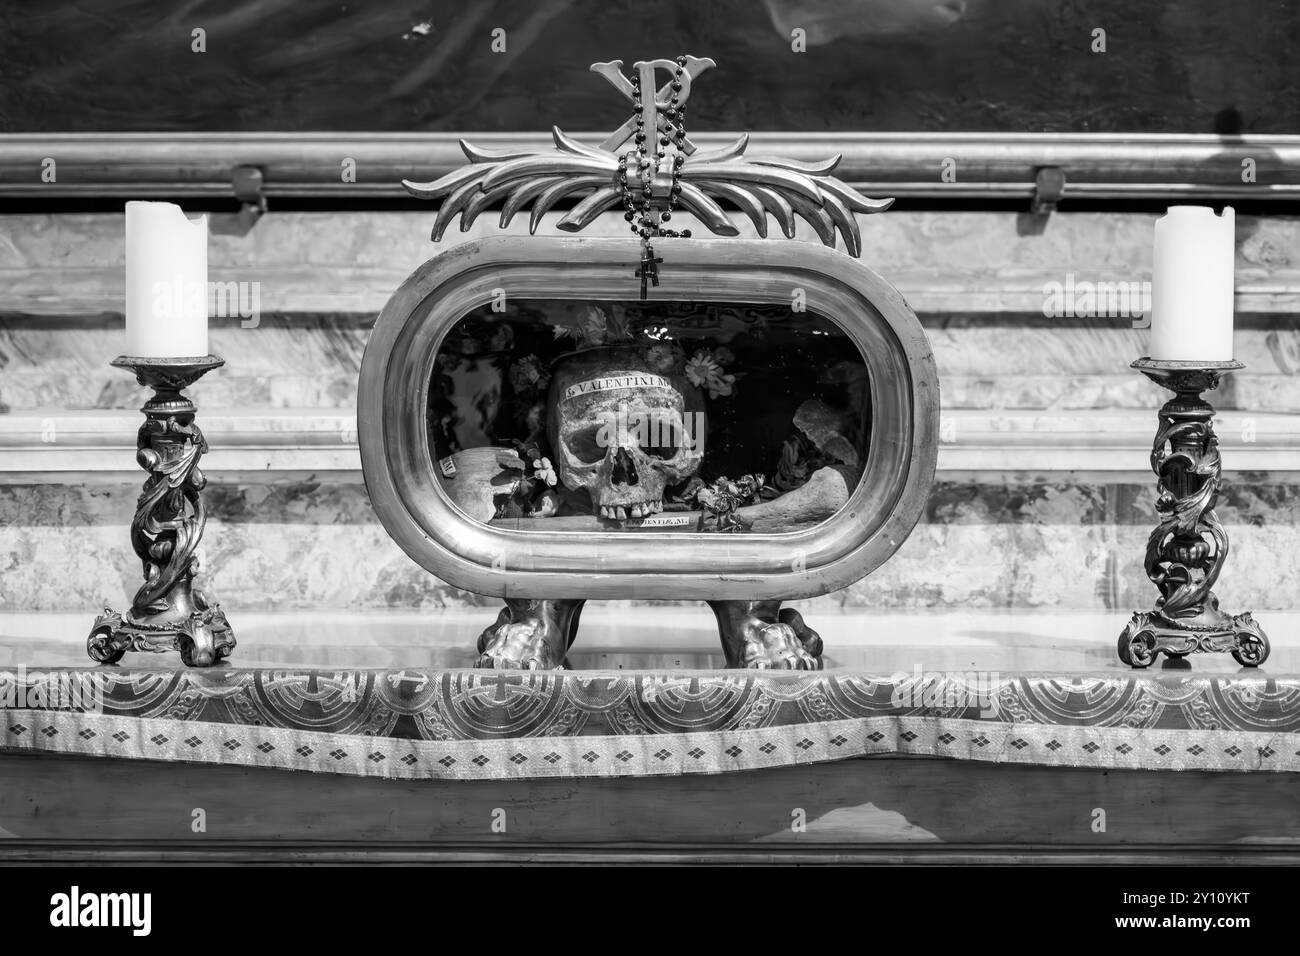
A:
(1046, 542)
(986, 262)
(54, 445)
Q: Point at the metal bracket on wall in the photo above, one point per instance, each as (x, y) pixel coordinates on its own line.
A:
(1049, 188)
(246, 181)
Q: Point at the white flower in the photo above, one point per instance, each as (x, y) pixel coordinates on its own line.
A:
(703, 371)
(542, 469)
(701, 367)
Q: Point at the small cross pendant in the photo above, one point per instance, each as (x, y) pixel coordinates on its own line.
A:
(649, 270)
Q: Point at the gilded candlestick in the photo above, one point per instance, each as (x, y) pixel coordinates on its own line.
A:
(1188, 548)
(167, 612)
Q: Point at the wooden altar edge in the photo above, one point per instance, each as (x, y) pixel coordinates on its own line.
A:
(370, 853)
(996, 165)
(875, 810)
(254, 444)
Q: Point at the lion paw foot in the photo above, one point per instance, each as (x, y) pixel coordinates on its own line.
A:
(521, 640)
(763, 635)
(779, 647)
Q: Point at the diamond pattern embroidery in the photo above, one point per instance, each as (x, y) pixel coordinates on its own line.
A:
(447, 761)
(232, 745)
(1092, 746)
(376, 757)
(410, 760)
(87, 734)
(908, 736)
(695, 752)
(265, 747)
(1233, 751)
(158, 739)
(1163, 750)
(981, 741)
(552, 758)
(839, 740)
(875, 736)
(624, 755)
(49, 731)
(304, 751)
(480, 761)
(768, 747)
(733, 751)
(121, 736)
(193, 742)
(1020, 743)
(18, 729)
(591, 756)
(518, 760)
(946, 738)
(662, 754)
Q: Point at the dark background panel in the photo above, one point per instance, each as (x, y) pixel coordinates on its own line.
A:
(871, 65)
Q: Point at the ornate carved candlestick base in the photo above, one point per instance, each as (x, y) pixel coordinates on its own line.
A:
(167, 613)
(1186, 551)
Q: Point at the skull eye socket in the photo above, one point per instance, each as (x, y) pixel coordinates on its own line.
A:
(583, 445)
(664, 438)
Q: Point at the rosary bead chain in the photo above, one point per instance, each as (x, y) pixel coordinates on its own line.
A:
(647, 224)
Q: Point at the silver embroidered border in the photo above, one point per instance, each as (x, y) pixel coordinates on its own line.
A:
(717, 751)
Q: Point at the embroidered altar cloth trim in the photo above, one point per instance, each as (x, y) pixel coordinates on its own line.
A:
(482, 725)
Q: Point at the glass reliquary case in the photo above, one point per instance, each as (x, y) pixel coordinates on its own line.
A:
(756, 423)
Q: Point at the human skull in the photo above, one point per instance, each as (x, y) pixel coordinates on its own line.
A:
(622, 431)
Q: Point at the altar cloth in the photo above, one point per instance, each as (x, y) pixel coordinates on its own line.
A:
(461, 724)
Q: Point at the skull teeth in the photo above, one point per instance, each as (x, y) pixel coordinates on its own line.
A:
(640, 509)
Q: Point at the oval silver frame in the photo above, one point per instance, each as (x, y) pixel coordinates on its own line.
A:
(397, 368)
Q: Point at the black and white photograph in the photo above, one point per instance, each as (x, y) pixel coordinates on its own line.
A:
(650, 433)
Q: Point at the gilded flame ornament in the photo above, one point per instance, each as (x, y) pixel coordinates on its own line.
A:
(758, 186)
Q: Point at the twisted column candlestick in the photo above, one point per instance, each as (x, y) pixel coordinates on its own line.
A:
(1187, 549)
(167, 612)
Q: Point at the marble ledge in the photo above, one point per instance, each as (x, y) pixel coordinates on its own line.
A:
(61, 446)
(310, 289)
(314, 543)
(978, 643)
(975, 262)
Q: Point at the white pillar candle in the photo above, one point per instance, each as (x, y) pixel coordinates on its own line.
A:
(166, 281)
(1191, 285)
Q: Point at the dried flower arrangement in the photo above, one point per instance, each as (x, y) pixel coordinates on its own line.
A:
(535, 493)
